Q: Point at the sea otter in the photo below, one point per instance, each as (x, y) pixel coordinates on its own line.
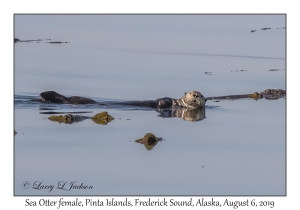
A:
(190, 100)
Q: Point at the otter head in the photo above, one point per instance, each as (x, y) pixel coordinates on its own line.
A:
(194, 99)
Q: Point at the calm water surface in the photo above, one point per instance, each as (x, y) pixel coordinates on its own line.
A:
(239, 148)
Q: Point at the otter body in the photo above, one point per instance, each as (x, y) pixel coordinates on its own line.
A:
(54, 97)
(190, 100)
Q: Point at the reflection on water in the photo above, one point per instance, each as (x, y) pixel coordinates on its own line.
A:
(186, 114)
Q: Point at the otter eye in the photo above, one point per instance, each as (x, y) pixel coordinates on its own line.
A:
(197, 96)
(194, 95)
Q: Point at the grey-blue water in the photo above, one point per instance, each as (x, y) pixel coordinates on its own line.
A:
(239, 148)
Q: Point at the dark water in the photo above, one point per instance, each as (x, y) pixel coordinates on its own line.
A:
(239, 148)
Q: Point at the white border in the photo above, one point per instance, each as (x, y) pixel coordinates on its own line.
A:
(8, 8)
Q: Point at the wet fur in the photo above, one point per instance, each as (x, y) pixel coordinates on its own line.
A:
(192, 99)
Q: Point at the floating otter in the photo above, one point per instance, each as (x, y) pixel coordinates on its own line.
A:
(190, 107)
(190, 100)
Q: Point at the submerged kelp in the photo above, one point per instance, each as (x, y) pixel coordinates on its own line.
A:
(149, 140)
(268, 94)
(39, 40)
(100, 118)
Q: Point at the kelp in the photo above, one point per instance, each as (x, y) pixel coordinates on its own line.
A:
(99, 118)
(149, 140)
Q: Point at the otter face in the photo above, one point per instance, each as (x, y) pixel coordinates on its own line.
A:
(194, 99)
